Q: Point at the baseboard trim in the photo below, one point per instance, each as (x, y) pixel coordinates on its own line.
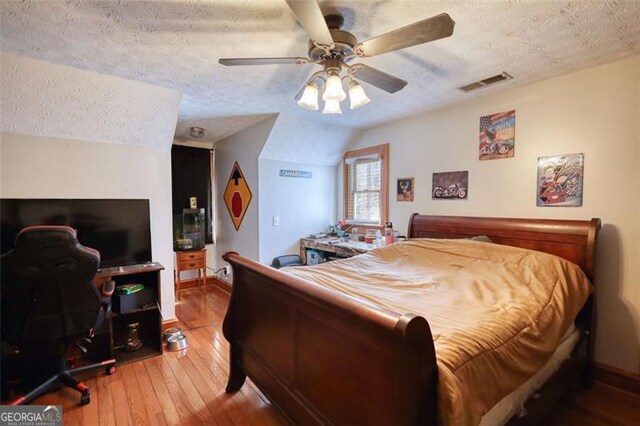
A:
(220, 283)
(211, 280)
(190, 283)
(617, 378)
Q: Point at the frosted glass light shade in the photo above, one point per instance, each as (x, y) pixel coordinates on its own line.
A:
(333, 90)
(357, 96)
(309, 99)
(332, 107)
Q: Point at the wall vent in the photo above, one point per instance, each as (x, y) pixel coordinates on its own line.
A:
(486, 82)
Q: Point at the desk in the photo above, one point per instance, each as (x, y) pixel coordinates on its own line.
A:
(334, 246)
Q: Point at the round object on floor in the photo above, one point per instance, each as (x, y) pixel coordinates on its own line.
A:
(177, 342)
(171, 332)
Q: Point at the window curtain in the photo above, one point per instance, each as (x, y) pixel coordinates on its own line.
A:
(191, 177)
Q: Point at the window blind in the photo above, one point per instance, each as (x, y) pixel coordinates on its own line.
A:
(364, 177)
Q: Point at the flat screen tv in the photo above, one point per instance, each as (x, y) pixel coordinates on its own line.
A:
(119, 229)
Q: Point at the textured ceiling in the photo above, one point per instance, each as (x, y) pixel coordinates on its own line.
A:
(177, 44)
(45, 99)
(296, 139)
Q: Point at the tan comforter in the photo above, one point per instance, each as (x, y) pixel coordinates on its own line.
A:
(496, 312)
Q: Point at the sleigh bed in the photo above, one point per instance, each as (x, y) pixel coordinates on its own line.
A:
(325, 356)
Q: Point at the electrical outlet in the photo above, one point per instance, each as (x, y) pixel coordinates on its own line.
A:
(276, 220)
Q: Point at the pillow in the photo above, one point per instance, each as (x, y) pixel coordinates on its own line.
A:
(482, 238)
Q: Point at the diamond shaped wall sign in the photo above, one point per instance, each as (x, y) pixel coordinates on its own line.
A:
(237, 196)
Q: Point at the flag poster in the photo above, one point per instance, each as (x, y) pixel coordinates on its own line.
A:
(497, 135)
(560, 180)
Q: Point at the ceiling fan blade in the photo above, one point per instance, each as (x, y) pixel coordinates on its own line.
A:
(310, 17)
(261, 61)
(434, 28)
(380, 79)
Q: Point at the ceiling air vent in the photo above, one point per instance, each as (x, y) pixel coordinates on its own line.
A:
(486, 82)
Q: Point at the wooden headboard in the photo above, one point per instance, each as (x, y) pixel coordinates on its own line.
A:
(574, 240)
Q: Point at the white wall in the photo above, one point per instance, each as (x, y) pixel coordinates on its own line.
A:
(304, 206)
(244, 147)
(70, 133)
(595, 112)
(44, 167)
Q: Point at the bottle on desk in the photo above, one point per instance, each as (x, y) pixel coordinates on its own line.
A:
(379, 239)
(388, 234)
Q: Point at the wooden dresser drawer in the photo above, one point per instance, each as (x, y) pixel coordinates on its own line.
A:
(191, 264)
(190, 256)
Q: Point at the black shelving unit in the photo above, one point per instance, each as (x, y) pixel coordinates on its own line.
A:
(149, 318)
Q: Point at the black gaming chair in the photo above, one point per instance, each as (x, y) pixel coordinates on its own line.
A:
(49, 301)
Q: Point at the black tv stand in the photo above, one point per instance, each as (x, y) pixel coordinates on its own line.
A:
(149, 317)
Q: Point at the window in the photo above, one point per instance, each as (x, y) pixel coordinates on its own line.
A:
(365, 185)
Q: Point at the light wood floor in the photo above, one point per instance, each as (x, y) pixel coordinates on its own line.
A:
(188, 388)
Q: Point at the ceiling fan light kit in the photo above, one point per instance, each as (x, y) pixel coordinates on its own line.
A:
(356, 95)
(331, 106)
(309, 99)
(334, 48)
(333, 90)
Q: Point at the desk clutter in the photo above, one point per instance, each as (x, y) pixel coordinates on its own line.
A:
(336, 243)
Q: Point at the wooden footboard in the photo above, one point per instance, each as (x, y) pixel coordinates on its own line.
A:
(323, 358)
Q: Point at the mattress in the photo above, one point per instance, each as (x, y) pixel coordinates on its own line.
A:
(497, 313)
(513, 403)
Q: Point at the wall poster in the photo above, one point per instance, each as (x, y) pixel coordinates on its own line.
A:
(560, 180)
(405, 189)
(237, 196)
(497, 135)
(450, 185)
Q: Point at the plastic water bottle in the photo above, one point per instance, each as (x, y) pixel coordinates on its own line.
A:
(379, 241)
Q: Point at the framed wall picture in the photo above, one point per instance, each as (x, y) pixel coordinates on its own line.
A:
(560, 181)
(497, 135)
(405, 189)
(450, 185)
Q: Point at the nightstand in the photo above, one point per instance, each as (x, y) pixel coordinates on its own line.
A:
(188, 261)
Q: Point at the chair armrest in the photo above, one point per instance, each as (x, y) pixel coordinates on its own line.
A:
(108, 287)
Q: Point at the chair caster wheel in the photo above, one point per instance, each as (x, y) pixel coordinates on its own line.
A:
(85, 398)
(110, 370)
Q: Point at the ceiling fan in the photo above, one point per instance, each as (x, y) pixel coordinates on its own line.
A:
(334, 48)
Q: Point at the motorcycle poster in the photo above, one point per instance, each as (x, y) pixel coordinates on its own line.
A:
(497, 135)
(450, 185)
(560, 180)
